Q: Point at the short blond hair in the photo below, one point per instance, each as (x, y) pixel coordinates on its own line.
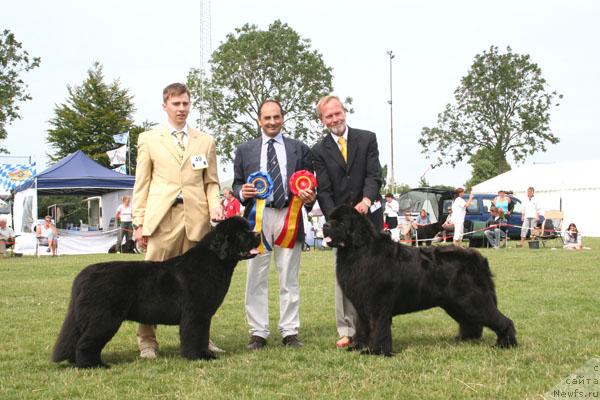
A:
(175, 89)
(326, 99)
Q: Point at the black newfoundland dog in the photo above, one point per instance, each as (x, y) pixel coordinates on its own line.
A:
(128, 247)
(383, 278)
(186, 290)
(427, 233)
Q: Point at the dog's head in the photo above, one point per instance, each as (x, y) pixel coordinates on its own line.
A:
(233, 240)
(346, 227)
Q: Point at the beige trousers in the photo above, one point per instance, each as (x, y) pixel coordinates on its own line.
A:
(345, 313)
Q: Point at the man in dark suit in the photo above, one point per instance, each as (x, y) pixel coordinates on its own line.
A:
(279, 156)
(348, 172)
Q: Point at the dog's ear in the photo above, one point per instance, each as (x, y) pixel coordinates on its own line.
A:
(361, 228)
(219, 246)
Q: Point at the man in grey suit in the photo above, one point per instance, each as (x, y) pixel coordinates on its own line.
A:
(281, 157)
(348, 172)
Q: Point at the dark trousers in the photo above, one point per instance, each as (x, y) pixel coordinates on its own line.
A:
(392, 222)
(126, 229)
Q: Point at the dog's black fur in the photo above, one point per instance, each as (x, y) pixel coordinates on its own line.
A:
(127, 247)
(426, 233)
(186, 290)
(383, 278)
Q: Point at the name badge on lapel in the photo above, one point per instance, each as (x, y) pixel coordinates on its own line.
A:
(199, 161)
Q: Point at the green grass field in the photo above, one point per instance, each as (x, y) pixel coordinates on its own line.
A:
(552, 296)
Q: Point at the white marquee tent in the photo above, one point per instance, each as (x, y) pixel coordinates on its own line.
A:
(573, 187)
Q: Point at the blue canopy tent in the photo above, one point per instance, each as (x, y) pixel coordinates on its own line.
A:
(79, 175)
(76, 174)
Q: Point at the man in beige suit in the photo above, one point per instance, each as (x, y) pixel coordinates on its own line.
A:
(176, 191)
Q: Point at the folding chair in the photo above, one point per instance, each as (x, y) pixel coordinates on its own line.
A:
(552, 227)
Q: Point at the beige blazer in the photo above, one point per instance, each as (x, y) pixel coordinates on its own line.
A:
(161, 175)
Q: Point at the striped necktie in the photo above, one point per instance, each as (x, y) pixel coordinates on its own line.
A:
(179, 136)
(275, 173)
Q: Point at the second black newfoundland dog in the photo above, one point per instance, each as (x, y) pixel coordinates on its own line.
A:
(186, 290)
(383, 278)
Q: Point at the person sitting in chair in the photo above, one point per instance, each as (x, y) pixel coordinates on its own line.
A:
(48, 232)
(7, 236)
(407, 228)
(422, 219)
(496, 232)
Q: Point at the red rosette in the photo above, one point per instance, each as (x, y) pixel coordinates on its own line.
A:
(302, 180)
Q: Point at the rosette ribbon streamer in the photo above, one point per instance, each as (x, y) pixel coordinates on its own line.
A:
(264, 186)
(300, 180)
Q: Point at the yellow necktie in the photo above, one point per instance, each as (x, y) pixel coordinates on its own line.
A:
(343, 148)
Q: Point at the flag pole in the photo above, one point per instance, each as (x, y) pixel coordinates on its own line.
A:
(128, 155)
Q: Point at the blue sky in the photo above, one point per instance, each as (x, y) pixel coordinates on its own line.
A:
(148, 44)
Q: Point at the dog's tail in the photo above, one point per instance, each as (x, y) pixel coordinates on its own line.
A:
(64, 349)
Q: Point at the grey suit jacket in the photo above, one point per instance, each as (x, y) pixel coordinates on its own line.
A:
(247, 161)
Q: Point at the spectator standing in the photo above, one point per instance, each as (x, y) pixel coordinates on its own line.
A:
(459, 212)
(231, 205)
(530, 215)
(391, 211)
(502, 203)
(124, 220)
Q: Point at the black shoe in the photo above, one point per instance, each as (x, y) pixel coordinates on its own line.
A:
(256, 343)
(292, 341)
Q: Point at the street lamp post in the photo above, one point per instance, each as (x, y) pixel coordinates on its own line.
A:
(393, 181)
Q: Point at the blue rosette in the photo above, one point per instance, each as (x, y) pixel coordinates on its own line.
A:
(263, 183)
(264, 186)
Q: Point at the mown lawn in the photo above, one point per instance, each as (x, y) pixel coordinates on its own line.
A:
(552, 296)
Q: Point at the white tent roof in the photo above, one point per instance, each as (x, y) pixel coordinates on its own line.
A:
(573, 187)
(571, 175)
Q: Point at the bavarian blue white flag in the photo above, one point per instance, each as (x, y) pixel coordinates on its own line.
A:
(13, 175)
(117, 156)
(121, 138)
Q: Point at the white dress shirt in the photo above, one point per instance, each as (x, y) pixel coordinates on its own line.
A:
(281, 158)
(336, 138)
(185, 130)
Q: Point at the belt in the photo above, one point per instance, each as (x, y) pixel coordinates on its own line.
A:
(178, 200)
(270, 205)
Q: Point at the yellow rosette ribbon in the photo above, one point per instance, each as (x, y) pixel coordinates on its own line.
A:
(264, 186)
(300, 180)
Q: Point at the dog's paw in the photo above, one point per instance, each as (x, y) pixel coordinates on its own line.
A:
(201, 355)
(506, 342)
(207, 355)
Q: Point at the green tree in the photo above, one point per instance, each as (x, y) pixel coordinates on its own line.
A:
(134, 133)
(486, 165)
(502, 105)
(92, 114)
(13, 61)
(251, 66)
